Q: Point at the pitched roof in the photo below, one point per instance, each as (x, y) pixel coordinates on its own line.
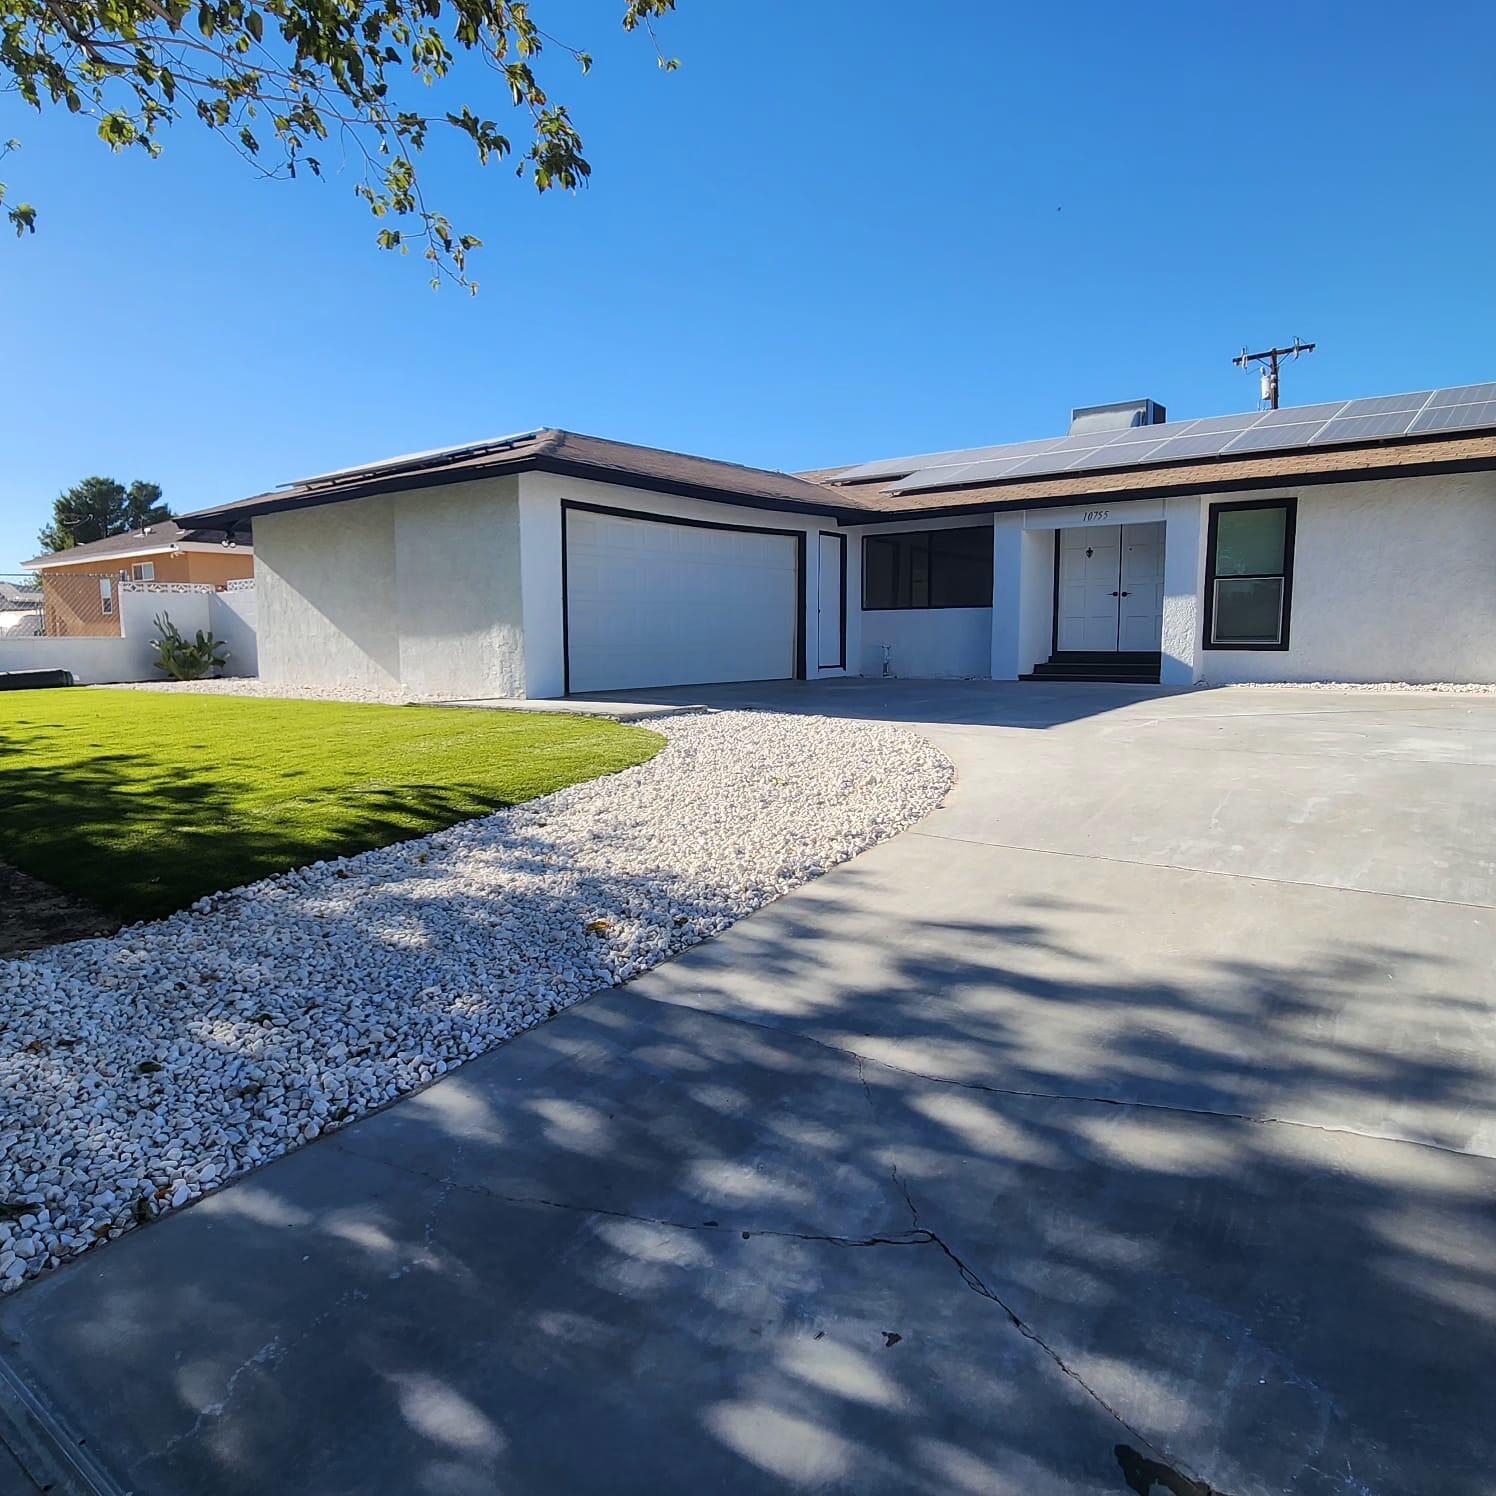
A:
(550, 450)
(12, 596)
(1428, 430)
(1219, 475)
(1309, 444)
(164, 535)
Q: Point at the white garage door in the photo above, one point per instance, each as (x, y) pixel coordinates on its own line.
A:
(652, 603)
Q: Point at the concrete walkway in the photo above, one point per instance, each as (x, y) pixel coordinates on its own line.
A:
(1127, 1126)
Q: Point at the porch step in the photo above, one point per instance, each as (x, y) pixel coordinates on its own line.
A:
(1124, 677)
(1132, 667)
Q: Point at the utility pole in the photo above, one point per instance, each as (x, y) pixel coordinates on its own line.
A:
(1270, 358)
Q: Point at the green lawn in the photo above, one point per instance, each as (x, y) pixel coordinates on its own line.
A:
(141, 802)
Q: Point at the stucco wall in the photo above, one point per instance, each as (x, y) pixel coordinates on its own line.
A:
(457, 582)
(928, 643)
(1184, 570)
(325, 579)
(1393, 581)
(419, 588)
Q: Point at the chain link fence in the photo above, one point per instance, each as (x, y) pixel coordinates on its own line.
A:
(64, 605)
(21, 613)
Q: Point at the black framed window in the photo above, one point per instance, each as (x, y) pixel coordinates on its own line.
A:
(928, 569)
(1249, 574)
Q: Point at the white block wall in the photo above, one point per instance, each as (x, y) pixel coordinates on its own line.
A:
(229, 616)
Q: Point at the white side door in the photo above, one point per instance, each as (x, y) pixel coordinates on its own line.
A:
(1141, 625)
(1090, 565)
(830, 582)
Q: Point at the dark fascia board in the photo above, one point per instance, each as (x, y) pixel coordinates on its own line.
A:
(440, 477)
(626, 479)
(1180, 490)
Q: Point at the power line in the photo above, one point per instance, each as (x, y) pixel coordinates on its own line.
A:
(1270, 358)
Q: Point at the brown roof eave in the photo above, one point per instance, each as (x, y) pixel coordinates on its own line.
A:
(278, 503)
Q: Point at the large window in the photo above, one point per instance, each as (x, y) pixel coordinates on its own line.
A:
(1249, 574)
(928, 569)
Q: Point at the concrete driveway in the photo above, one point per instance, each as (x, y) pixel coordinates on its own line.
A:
(1127, 1126)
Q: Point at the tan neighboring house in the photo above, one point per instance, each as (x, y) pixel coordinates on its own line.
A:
(80, 586)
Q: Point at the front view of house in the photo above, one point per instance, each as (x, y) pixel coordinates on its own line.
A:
(1349, 541)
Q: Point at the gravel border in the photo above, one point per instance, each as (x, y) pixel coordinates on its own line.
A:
(141, 1070)
(252, 685)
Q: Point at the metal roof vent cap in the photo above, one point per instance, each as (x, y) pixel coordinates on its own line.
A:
(1085, 420)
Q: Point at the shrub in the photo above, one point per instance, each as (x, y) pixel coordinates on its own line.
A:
(183, 658)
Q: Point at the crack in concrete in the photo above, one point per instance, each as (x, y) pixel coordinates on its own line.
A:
(973, 1280)
(917, 1236)
(895, 1239)
(1076, 1098)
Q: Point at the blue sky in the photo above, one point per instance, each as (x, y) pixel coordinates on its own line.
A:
(859, 238)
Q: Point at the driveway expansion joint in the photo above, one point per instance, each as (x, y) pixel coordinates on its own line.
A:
(1077, 1099)
(1204, 872)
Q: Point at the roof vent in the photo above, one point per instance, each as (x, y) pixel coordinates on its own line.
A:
(1088, 419)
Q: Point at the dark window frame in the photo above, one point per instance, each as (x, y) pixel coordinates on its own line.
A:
(1290, 508)
(925, 607)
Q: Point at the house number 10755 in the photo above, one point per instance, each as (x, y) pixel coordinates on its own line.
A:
(1091, 514)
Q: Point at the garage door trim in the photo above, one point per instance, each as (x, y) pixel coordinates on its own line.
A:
(798, 536)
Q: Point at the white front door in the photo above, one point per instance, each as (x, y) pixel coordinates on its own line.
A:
(831, 616)
(1141, 625)
(1110, 595)
(1090, 565)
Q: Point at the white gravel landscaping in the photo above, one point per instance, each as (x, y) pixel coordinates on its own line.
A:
(138, 1071)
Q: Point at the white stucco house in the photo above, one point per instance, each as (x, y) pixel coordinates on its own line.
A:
(1351, 541)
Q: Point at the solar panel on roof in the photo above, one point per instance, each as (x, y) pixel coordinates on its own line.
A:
(1264, 439)
(1294, 415)
(1238, 422)
(1455, 417)
(380, 464)
(1115, 456)
(901, 467)
(1464, 394)
(1462, 408)
(1195, 444)
(972, 472)
(1032, 467)
(1359, 428)
(1135, 435)
(1378, 404)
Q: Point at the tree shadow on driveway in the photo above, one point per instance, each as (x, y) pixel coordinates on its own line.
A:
(653, 1247)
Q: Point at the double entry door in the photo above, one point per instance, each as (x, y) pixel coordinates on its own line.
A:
(1109, 595)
